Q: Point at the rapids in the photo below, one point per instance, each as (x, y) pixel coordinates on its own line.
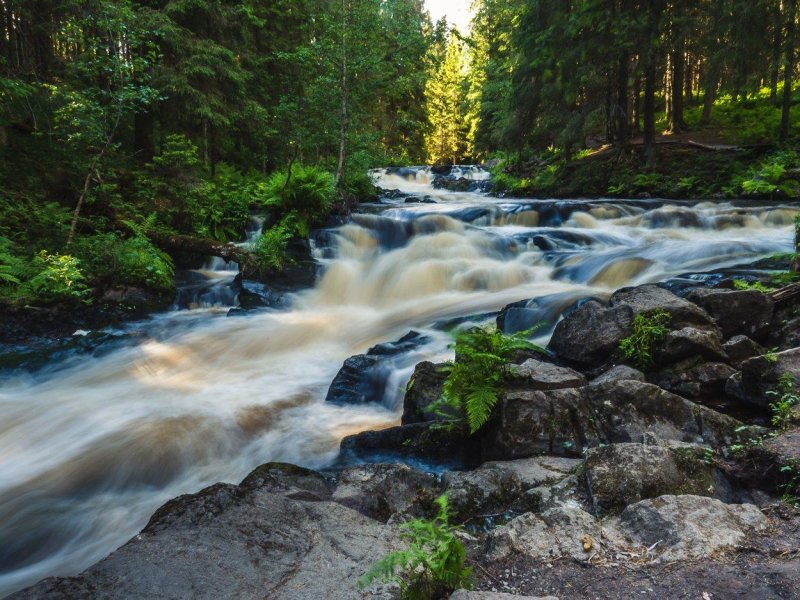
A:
(91, 446)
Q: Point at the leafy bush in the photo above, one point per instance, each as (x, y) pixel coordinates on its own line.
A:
(741, 284)
(476, 378)
(786, 399)
(223, 203)
(11, 268)
(270, 249)
(109, 258)
(434, 564)
(59, 279)
(771, 176)
(309, 193)
(646, 330)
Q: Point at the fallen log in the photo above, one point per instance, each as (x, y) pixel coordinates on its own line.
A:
(185, 243)
(785, 294)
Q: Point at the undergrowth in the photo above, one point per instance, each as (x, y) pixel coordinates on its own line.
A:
(647, 329)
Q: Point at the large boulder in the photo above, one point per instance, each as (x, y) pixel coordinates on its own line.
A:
(619, 373)
(496, 487)
(564, 422)
(689, 527)
(620, 474)
(761, 374)
(466, 595)
(737, 312)
(695, 379)
(542, 312)
(648, 298)
(424, 388)
(564, 530)
(386, 491)
(363, 378)
(536, 374)
(590, 335)
(245, 541)
(740, 347)
(690, 342)
(445, 443)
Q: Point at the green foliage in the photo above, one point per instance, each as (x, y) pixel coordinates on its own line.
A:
(308, 193)
(110, 259)
(58, 278)
(12, 268)
(270, 249)
(787, 399)
(434, 564)
(476, 378)
(772, 176)
(741, 284)
(647, 329)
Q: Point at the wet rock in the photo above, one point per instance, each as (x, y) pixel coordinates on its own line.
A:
(695, 379)
(740, 347)
(465, 595)
(690, 342)
(619, 373)
(647, 298)
(539, 375)
(564, 422)
(590, 335)
(689, 527)
(760, 375)
(363, 378)
(626, 411)
(621, 474)
(290, 481)
(786, 334)
(543, 312)
(237, 542)
(443, 442)
(495, 487)
(737, 312)
(555, 533)
(424, 388)
(383, 491)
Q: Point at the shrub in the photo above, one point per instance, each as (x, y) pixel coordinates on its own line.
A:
(309, 193)
(270, 249)
(59, 279)
(786, 399)
(647, 329)
(476, 378)
(109, 258)
(12, 269)
(434, 564)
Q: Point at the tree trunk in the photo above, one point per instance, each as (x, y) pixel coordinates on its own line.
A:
(677, 61)
(344, 115)
(650, 60)
(205, 247)
(775, 66)
(791, 13)
(143, 144)
(711, 84)
(636, 122)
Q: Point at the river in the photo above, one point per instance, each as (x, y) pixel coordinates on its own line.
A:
(92, 445)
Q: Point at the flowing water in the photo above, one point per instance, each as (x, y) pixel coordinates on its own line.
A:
(91, 446)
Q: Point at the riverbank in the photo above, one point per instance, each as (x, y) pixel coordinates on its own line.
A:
(592, 478)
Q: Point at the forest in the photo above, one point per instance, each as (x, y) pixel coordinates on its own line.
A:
(126, 123)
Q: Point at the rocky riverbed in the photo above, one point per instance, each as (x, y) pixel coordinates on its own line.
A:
(592, 480)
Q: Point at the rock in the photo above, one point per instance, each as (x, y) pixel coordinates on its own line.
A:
(740, 347)
(689, 527)
(625, 411)
(557, 532)
(233, 541)
(443, 442)
(689, 342)
(424, 388)
(648, 298)
(538, 375)
(768, 465)
(543, 312)
(496, 487)
(737, 312)
(363, 378)
(386, 491)
(590, 335)
(760, 375)
(621, 474)
(695, 379)
(290, 481)
(619, 373)
(465, 595)
(785, 447)
(564, 422)
(786, 335)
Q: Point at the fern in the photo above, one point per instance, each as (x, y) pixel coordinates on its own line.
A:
(477, 377)
(432, 566)
(647, 329)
